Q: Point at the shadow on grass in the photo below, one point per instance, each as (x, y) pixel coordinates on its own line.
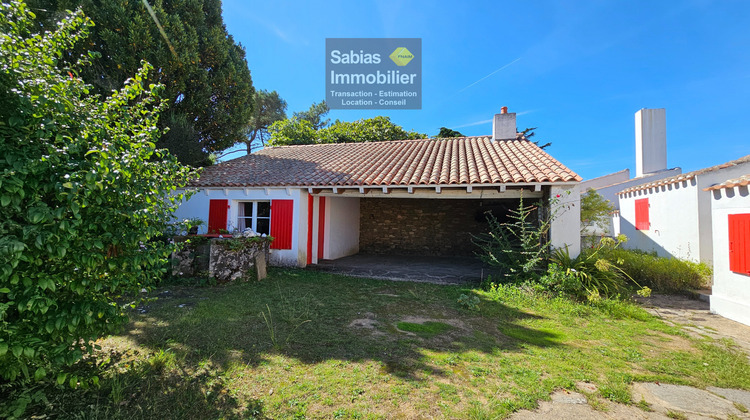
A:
(309, 316)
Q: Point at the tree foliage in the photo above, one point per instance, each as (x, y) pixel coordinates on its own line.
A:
(315, 115)
(207, 81)
(529, 133)
(595, 211)
(269, 108)
(446, 133)
(83, 194)
(299, 131)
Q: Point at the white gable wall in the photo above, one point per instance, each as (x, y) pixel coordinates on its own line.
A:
(680, 216)
(673, 213)
(731, 291)
(565, 230)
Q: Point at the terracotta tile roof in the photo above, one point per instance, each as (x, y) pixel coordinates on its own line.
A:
(742, 181)
(685, 177)
(462, 160)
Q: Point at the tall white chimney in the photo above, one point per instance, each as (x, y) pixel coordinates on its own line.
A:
(504, 125)
(650, 141)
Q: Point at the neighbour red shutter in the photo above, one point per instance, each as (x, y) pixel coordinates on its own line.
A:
(217, 215)
(739, 243)
(641, 214)
(282, 213)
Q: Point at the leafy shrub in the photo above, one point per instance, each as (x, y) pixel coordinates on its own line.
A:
(518, 247)
(83, 195)
(592, 275)
(659, 273)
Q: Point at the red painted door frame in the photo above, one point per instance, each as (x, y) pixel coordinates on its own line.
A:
(321, 226)
(310, 202)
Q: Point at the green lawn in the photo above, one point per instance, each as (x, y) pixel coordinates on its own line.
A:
(303, 344)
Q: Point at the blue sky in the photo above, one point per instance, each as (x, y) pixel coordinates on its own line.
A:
(577, 70)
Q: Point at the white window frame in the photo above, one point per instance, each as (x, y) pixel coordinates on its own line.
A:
(253, 218)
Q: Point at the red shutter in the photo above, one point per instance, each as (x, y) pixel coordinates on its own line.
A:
(282, 214)
(217, 215)
(641, 214)
(739, 243)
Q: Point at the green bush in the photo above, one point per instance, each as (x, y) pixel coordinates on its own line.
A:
(662, 274)
(592, 275)
(83, 196)
(517, 247)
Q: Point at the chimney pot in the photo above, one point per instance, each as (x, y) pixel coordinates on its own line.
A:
(504, 110)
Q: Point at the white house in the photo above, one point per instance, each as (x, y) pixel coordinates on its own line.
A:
(419, 197)
(730, 210)
(650, 164)
(672, 215)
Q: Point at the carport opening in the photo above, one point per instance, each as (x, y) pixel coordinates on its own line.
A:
(428, 227)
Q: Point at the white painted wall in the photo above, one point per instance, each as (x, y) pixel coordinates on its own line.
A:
(673, 214)
(566, 226)
(198, 206)
(680, 215)
(342, 227)
(730, 296)
(650, 141)
(605, 180)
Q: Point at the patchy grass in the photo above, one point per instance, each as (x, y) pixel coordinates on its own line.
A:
(427, 329)
(308, 344)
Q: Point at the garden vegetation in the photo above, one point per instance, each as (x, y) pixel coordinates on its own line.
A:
(84, 193)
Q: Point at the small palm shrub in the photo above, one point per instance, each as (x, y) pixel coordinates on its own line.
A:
(592, 275)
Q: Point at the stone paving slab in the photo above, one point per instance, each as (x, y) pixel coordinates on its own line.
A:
(684, 399)
(735, 395)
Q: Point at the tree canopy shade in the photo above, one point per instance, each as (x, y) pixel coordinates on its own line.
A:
(83, 195)
(207, 81)
(298, 131)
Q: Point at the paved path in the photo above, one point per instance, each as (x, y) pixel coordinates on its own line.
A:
(664, 401)
(438, 270)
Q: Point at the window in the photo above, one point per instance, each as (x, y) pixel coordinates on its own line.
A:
(255, 215)
(739, 243)
(641, 214)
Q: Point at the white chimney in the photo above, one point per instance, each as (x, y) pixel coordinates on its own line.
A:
(650, 141)
(504, 125)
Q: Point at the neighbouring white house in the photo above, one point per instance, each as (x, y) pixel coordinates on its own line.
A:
(412, 197)
(650, 164)
(672, 215)
(730, 211)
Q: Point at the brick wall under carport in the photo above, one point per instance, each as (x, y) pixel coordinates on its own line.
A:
(407, 226)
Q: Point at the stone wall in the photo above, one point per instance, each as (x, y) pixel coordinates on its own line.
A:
(425, 226)
(224, 260)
